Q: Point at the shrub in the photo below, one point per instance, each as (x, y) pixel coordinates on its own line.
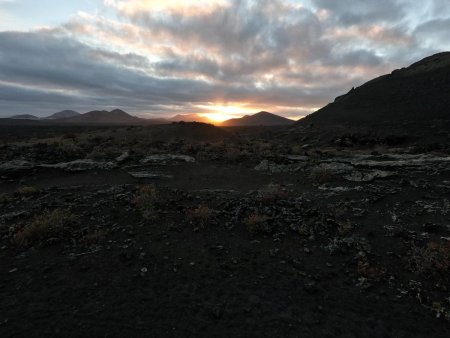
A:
(257, 223)
(367, 270)
(305, 230)
(94, 237)
(48, 224)
(345, 228)
(321, 176)
(145, 200)
(273, 192)
(201, 215)
(102, 153)
(433, 259)
(27, 191)
(5, 198)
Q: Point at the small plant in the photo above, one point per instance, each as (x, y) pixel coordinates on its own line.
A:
(201, 215)
(433, 259)
(305, 230)
(321, 176)
(345, 228)
(48, 224)
(145, 200)
(5, 198)
(367, 270)
(94, 237)
(273, 192)
(257, 223)
(235, 154)
(27, 191)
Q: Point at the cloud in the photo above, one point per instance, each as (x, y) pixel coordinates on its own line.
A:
(172, 56)
(191, 7)
(350, 12)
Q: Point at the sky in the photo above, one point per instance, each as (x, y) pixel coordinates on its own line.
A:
(226, 58)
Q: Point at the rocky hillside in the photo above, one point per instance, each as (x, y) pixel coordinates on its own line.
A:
(416, 93)
(116, 116)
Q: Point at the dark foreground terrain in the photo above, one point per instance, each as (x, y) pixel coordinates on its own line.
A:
(192, 231)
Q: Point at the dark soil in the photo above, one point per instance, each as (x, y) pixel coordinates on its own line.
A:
(220, 249)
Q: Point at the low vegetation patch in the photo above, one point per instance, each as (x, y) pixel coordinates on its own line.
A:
(145, 200)
(201, 215)
(46, 225)
(27, 191)
(257, 223)
(273, 192)
(94, 237)
(433, 259)
(5, 198)
(321, 176)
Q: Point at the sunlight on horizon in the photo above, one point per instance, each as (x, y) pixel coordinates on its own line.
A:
(223, 112)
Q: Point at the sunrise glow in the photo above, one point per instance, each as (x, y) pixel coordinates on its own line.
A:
(217, 117)
(223, 112)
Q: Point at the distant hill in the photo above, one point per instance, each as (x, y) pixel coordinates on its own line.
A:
(189, 118)
(186, 131)
(116, 116)
(24, 117)
(420, 92)
(260, 119)
(63, 115)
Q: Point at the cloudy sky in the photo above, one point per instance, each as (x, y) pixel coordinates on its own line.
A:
(227, 57)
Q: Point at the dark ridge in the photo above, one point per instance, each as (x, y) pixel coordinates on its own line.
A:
(262, 118)
(116, 116)
(189, 118)
(24, 117)
(419, 92)
(63, 115)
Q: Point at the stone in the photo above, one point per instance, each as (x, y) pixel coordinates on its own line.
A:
(80, 165)
(165, 158)
(16, 165)
(359, 176)
(125, 155)
(148, 174)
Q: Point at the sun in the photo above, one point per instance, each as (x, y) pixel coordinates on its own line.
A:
(218, 117)
(219, 113)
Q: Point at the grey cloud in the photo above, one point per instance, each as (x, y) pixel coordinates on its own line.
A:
(233, 49)
(43, 72)
(436, 30)
(56, 64)
(358, 57)
(351, 12)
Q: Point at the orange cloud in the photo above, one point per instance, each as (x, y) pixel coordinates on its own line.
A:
(185, 7)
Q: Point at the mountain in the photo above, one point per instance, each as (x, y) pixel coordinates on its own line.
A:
(189, 118)
(260, 119)
(116, 116)
(420, 92)
(24, 117)
(63, 115)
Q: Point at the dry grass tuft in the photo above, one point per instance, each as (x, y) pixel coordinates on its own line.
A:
(48, 224)
(145, 200)
(321, 176)
(273, 192)
(257, 223)
(27, 191)
(202, 215)
(5, 198)
(433, 259)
